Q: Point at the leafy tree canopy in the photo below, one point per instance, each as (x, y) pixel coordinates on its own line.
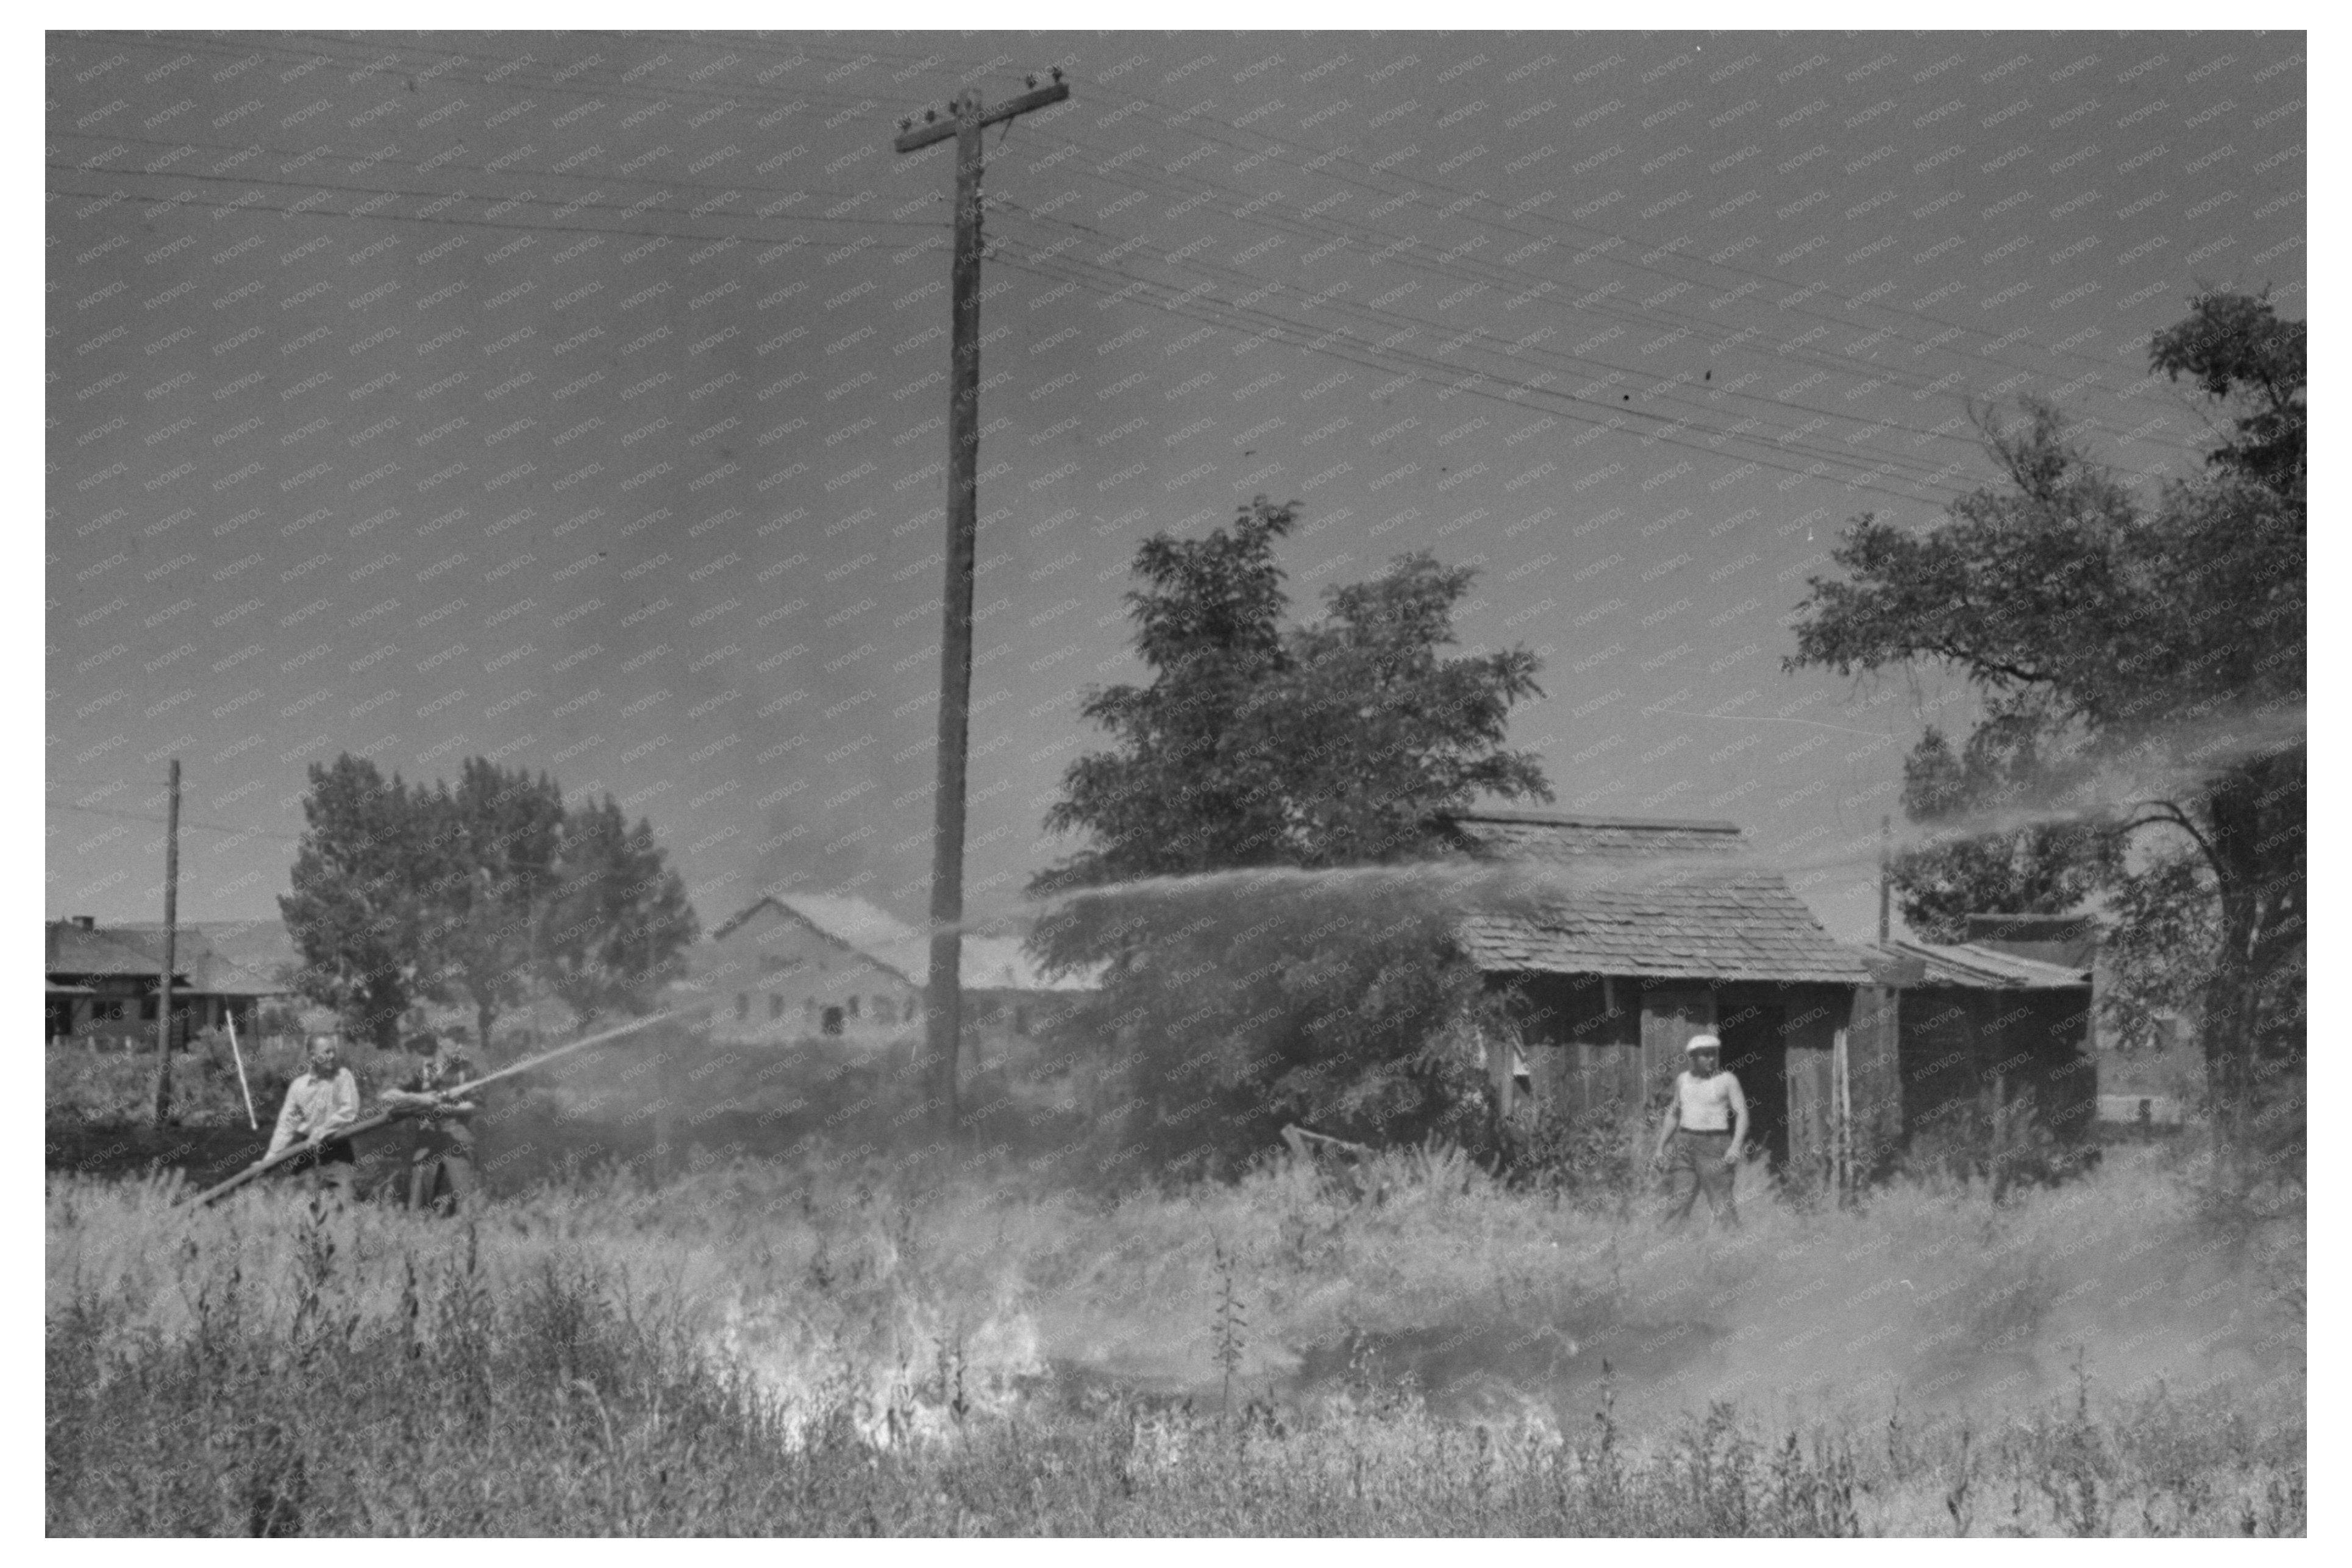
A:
(2140, 666)
(1257, 745)
(491, 892)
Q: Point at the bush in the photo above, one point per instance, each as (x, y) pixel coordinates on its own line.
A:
(1597, 1159)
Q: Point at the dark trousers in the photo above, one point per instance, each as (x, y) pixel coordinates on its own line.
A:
(441, 1157)
(1695, 1166)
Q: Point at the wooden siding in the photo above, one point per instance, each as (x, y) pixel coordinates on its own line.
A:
(1671, 1013)
(1875, 1079)
(1957, 1046)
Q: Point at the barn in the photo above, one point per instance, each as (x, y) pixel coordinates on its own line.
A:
(794, 966)
(1626, 937)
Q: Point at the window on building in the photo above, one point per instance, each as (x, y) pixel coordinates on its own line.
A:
(831, 1024)
(853, 1003)
(775, 1005)
(742, 1003)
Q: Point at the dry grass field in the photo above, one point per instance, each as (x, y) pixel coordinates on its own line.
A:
(849, 1342)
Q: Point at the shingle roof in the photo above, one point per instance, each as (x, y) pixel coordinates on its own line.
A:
(73, 951)
(1625, 896)
(1966, 963)
(137, 951)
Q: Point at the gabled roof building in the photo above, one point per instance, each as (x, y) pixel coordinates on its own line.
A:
(1623, 938)
(103, 985)
(1614, 941)
(795, 965)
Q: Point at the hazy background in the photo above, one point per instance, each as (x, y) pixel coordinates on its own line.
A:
(579, 400)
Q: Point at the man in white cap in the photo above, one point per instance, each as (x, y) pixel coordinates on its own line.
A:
(1706, 1124)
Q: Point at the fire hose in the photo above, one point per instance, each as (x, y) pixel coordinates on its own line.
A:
(381, 1118)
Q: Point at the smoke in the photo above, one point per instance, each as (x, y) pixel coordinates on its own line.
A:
(2170, 765)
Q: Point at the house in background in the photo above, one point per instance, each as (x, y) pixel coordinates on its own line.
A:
(794, 966)
(1625, 937)
(103, 985)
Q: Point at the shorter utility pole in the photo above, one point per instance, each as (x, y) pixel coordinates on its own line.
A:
(1885, 877)
(171, 952)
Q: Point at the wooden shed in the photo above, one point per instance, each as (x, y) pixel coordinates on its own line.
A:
(1624, 937)
(1985, 1041)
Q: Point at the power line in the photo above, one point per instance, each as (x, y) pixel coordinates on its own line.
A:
(1183, 119)
(186, 200)
(367, 159)
(1523, 350)
(1597, 301)
(525, 199)
(1274, 329)
(185, 822)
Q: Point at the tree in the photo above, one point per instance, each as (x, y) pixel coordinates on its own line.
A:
(2042, 867)
(619, 923)
(1245, 1000)
(490, 893)
(2153, 654)
(1254, 745)
(495, 840)
(1190, 785)
(357, 912)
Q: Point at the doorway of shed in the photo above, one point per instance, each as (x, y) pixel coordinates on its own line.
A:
(1755, 1051)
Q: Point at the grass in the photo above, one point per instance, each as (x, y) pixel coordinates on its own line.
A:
(852, 1346)
(106, 1089)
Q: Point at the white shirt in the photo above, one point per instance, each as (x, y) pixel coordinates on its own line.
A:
(1707, 1104)
(315, 1105)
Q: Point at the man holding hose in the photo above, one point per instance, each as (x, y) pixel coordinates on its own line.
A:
(1707, 1125)
(441, 1153)
(319, 1104)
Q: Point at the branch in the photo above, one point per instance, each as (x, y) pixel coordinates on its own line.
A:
(2167, 812)
(2014, 672)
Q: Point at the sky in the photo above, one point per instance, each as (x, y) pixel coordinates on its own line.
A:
(579, 401)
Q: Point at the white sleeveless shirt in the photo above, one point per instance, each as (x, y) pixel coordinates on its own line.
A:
(1705, 1103)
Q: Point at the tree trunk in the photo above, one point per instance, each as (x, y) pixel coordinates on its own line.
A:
(2230, 1031)
(485, 1015)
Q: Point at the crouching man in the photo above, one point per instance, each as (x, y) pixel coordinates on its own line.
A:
(441, 1153)
(1705, 1126)
(320, 1103)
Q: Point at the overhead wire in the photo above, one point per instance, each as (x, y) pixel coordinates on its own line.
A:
(1495, 343)
(1522, 351)
(801, 52)
(1321, 160)
(1307, 337)
(1600, 302)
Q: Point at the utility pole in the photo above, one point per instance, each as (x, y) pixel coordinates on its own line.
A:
(171, 951)
(943, 999)
(1885, 877)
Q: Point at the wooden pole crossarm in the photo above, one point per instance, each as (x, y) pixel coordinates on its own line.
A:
(942, 130)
